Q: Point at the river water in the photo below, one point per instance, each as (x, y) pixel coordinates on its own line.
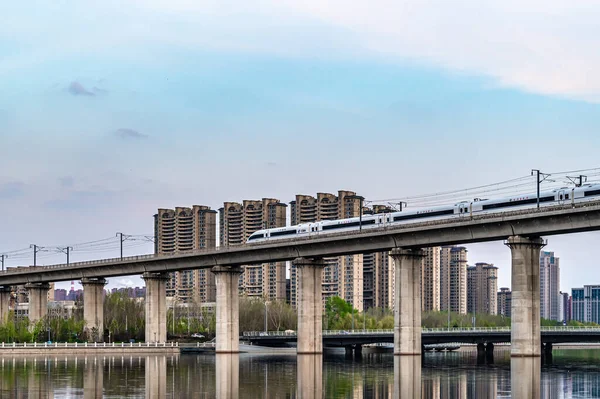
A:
(572, 374)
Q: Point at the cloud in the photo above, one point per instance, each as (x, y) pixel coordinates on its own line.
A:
(77, 89)
(542, 46)
(127, 133)
(78, 200)
(11, 189)
(125, 282)
(99, 91)
(66, 181)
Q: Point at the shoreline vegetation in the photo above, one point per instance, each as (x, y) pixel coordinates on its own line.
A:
(124, 321)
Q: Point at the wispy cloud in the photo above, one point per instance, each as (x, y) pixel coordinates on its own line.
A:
(77, 89)
(66, 181)
(11, 189)
(127, 133)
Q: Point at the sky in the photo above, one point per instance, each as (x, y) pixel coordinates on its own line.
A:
(110, 110)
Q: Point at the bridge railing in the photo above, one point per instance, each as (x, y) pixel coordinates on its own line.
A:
(465, 330)
(544, 209)
(88, 345)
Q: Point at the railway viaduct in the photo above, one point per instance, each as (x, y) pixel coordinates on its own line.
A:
(522, 231)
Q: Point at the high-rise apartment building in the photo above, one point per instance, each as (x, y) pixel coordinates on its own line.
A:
(482, 288)
(237, 223)
(549, 286)
(586, 303)
(187, 229)
(565, 300)
(430, 280)
(453, 279)
(504, 302)
(377, 270)
(343, 275)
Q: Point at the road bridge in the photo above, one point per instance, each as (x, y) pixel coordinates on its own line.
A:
(522, 229)
(478, 335)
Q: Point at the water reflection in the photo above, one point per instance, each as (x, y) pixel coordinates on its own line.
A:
(156, 376)
(525, 377)
(407, 377)
(573, 374)
(227, 375)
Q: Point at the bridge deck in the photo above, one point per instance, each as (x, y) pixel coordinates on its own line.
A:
(550, 220)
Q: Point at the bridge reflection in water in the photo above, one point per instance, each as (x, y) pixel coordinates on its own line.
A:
(252, 375)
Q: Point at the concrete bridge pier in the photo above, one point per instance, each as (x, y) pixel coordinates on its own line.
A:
(4, 303)
(480, 353)
(38, 301)
(407, 310)
(547, 353)
(228, 309)
(489, 353)
(156, 306)
(525, 329)
(310, 306)
(93, 308)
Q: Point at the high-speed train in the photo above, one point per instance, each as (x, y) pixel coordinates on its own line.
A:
(563, 196)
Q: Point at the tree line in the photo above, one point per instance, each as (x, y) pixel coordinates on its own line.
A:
(124, 320)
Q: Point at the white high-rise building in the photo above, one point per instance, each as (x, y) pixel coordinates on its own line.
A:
(549, 286)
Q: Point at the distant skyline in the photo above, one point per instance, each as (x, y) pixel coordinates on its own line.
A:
(110, 110)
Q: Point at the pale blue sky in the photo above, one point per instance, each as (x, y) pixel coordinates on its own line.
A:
(109, 111)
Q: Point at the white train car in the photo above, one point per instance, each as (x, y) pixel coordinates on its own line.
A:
(562, 196)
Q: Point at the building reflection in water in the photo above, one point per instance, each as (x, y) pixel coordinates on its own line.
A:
(227, 375)
(433, 376)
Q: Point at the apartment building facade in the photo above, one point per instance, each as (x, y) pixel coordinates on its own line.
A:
(343, 275)
(186, 229)
(550, 286)
(504, 302)
(237, 222)
(482, 288)
(453, 279)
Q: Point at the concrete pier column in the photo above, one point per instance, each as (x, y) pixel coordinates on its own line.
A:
(38, 301)
(156, 376)
(310, 305)
(4, 303)
(407, 302)
(480, 353)
(93, 308)
(227, 374)
(228, 309)
(156, 306)
(525, 328)
(309, 376)
(489, 353)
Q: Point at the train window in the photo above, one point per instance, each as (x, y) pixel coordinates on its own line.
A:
(566, 196)
(560, 197)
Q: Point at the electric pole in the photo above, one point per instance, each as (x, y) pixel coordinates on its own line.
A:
(577, 180)
(36, 249)
(2, 257)
(122, 237)
(540, 177)
(67, 251)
